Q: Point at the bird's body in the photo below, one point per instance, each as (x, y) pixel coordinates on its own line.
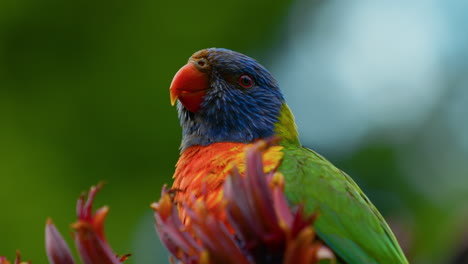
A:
(227, 102)
(201, 171)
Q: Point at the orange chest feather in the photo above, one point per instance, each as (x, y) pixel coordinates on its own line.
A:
(201, 170)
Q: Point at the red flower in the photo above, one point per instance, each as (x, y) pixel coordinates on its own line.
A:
(266, 229)
(261, 228)
(4, 260)
(57, 250)
(88, 234)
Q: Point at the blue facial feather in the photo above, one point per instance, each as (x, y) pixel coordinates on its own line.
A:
(229, 112)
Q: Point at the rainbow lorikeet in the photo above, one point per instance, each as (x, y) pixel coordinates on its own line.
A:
(227, 101)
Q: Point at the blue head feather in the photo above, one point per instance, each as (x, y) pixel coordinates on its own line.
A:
(229, 112)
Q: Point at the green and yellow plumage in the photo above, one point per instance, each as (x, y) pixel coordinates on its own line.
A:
(324, 188)
(227, 102)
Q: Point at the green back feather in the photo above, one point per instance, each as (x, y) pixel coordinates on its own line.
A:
(348, 222)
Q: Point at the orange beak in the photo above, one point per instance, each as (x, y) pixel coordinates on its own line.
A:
(189, 85)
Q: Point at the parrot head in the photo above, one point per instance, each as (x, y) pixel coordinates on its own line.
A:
(225, 96)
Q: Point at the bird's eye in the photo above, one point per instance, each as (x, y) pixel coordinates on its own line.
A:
(201, 62)
(245, 81)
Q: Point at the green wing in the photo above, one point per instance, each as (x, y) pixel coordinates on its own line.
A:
(348, 222)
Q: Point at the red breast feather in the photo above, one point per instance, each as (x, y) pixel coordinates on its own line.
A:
(201, 171)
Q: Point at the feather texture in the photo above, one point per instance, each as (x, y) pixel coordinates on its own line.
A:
(201, 171)
(231, 118)
(348, 222)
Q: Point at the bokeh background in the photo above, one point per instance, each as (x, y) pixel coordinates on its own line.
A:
(379, 88)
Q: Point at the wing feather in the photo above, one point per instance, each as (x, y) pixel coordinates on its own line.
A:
(348, 222)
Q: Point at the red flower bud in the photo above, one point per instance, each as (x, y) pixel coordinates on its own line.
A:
(262, 227)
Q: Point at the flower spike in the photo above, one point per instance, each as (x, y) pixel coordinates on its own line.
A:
(261, 227)
(88, 235)
(89, 231)
(4, 260)
(56, 248)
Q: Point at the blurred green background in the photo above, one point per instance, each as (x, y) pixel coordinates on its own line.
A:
(380, 89)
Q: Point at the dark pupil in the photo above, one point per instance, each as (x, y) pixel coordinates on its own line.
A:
(245, 80)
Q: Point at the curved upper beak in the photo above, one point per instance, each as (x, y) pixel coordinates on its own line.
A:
(189, 86)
